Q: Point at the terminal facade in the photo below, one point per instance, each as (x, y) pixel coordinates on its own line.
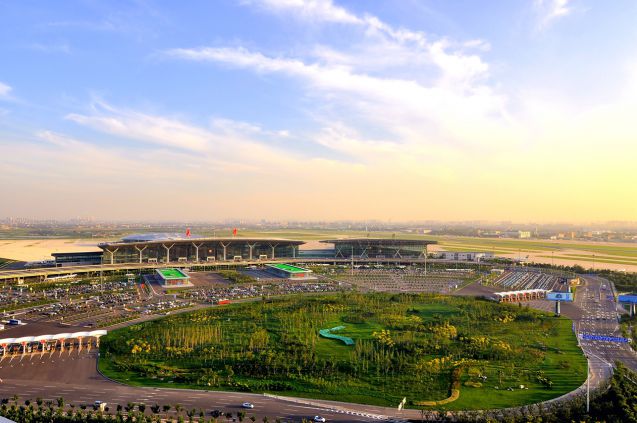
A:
(379, 248)
(175, 248)
(158, 248)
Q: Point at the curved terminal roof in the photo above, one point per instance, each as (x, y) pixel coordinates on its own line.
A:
(57, 336)
(381, 241)
(180, 238)
(158, 236)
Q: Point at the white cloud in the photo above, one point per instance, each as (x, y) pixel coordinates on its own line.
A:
(398, 104)
(315, 10)
(50, 48)
(551, 10)
(226, 146)
(387, 44)
(144, 127)
(4, 90)
(416, 88)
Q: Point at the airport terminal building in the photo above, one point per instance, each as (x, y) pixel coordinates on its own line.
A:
(379, 248)
(174, 248)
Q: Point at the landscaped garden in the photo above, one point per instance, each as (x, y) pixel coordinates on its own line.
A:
(438, 351)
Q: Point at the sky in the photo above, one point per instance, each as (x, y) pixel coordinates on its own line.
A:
(319, 110)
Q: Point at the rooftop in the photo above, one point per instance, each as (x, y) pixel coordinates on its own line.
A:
(289, 268)
(172, 273)
(179, 238)
(386, 241)
(157, 236)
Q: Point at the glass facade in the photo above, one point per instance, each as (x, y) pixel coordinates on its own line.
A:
(77, 259)
(379, 248)
(200, 250)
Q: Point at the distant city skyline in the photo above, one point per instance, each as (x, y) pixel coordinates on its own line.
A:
(315, 110)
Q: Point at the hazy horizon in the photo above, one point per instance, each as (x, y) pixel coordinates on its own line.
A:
(319, 110)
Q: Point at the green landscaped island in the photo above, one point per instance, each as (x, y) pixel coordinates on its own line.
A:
(172, 273)
(423, 347)
(288, 268)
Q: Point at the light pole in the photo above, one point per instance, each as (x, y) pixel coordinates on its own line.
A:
(588, 385)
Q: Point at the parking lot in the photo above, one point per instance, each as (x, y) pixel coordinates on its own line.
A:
(403, 279)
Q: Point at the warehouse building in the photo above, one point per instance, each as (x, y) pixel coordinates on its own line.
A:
(464, 256)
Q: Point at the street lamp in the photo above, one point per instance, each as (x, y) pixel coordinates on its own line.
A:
(588, 385)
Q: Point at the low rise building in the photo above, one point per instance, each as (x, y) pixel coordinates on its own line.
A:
(464, 255)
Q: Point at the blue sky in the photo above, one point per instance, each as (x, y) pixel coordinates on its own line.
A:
(375, 109)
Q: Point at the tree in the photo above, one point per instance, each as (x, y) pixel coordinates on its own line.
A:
(60, 401)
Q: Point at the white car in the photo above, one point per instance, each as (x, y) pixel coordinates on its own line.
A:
(247, 405)
(319, 419)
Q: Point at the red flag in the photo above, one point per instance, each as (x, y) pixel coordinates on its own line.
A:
(188, 232)
(234, 232)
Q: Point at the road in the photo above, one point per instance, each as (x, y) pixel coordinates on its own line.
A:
(595, 312)
(600, 317)
(39, 274)
(73, 376)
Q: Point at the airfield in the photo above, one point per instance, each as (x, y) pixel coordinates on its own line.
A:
(596, 255)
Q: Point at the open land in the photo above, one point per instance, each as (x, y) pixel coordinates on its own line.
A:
(422, 347)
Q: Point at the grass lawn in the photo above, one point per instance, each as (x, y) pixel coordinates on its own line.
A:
(405, 346)
(591, 259)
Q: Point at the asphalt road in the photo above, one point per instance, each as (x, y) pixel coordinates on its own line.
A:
(595, 312)
(73, 376)
(600, 317)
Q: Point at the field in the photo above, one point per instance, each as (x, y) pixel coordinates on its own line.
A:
(41, 249)
(423, 347)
